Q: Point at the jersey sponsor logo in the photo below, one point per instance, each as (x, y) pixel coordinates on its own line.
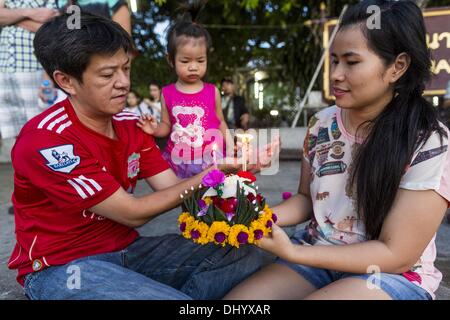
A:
(61, 158)
(133, 165)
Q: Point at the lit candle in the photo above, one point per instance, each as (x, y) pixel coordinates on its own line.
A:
(245, 138)
(214, 154)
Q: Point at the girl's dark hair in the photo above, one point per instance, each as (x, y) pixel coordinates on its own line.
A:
(406, 122)
(187, 26)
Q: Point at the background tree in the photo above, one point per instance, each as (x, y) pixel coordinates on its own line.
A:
(283, 37)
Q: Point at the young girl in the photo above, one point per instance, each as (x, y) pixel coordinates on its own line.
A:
(191, 110)
(375, 179)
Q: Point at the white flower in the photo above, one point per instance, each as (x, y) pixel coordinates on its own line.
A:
(229, 187)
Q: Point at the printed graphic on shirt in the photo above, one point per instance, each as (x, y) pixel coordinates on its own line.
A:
(337, 150)
(133, 165)
(429, 154)
(322, 195)
(328, 219)
(346, 224)
(323, 136)
(61, 158)
(312, 140)
(188, 128)
(322, 154)
(330, 168)
(335, 132)
(312, 122)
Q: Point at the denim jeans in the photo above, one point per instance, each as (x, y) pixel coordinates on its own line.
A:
(153, 268)
(395, 285)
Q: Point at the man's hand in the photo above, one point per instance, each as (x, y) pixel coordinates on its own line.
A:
(41, 15)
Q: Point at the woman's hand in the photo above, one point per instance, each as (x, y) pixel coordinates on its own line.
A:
(277, 243)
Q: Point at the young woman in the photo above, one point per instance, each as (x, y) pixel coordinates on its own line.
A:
(375, 179)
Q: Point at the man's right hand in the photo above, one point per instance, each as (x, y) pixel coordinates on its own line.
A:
(41, 15)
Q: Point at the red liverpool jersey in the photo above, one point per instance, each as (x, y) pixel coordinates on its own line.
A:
(62, 168)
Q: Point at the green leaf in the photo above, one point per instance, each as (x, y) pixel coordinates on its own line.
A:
(219, 215)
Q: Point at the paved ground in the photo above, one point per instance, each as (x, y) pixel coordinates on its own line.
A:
(271, 186)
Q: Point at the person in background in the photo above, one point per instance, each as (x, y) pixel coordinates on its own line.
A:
(155, 100)
(20, 72)
(234, 109)
(117, 10)
(136, 106)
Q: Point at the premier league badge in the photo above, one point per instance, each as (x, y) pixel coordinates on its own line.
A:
(61, 158)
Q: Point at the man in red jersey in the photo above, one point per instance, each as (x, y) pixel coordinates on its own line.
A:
(76, 166)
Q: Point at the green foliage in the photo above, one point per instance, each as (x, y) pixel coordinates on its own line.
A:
(258, 33)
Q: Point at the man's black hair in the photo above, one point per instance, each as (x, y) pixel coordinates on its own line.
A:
(59, 47)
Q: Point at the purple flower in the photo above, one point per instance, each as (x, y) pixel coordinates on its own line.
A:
(286, 195)
(274, 218)
(183, 226)
(203, 206)
(195, 234)
(202, 212)
(229, 215)
(219, 237)
(258, 234)
(269, 224)
(201, 203)
(242, 237)
(213, 178)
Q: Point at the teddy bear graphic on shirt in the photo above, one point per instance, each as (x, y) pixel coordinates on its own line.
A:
(188, 128)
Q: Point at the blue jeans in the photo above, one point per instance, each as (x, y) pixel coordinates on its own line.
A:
(395, 285)
(153, 268)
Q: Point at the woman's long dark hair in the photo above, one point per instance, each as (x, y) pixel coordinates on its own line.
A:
(406, 122)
